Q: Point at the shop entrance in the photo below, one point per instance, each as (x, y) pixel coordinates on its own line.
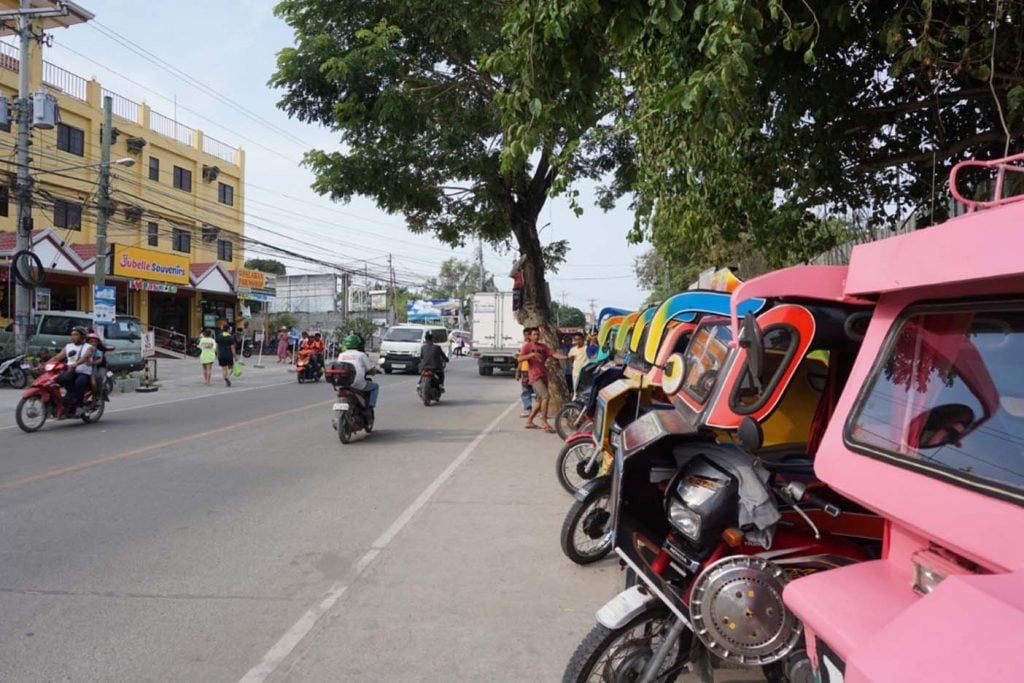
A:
(170, 312)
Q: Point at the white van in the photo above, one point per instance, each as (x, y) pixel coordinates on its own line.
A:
(400, 348)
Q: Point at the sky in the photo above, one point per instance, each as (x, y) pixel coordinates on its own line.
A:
(231, 47)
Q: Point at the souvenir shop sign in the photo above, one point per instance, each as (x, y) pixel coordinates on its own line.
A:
(147, 264)
(144, 286)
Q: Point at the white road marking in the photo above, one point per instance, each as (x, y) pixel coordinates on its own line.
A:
(276, 655)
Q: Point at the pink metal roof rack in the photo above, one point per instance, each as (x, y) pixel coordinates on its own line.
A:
(1009, 164)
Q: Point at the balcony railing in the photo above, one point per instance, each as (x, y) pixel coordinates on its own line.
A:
(216, 148)
(123, 107)
(64, 81)
(171, 128)
(10, 56)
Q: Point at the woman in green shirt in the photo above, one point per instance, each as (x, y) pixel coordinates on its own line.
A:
(207, 353)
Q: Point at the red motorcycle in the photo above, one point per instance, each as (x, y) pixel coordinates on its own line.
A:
(48, 398)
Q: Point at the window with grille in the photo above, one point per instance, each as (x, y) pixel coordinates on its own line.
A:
(181, 240)
(67, 215)
(71, 139)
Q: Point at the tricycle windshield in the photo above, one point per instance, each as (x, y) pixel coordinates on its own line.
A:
(705, 355)
(947, 397)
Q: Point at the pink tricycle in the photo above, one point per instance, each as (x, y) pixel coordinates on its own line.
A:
(929, 433)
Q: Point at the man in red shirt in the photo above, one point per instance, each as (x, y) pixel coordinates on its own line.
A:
(536, 354)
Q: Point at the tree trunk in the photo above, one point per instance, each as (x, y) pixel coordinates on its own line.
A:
(524, 197)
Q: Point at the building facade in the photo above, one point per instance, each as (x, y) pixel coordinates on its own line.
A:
(176, 238)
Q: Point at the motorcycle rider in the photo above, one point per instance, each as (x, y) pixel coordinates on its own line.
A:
(364, 368)
(317, 346)
(77, 355)
(432, 358)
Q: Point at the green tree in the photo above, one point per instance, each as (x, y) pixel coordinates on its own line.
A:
(267, 265)
(409, 89)
(569, 316)
(755, 122)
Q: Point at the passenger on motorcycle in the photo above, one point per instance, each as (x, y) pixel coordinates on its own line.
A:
(432, 358)
(77, 355)
(364, 368)
(317, 346)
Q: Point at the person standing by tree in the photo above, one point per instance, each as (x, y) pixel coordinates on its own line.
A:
(537, 354)
(522, 375)
(207, 353)
(226, 352)
(578, 355)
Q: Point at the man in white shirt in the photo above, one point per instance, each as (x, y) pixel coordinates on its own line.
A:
(364, 368)
(578, 355)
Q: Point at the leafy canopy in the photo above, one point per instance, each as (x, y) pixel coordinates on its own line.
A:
(754, 122)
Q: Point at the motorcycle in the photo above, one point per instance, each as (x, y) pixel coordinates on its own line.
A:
(429, 388)
(48, 398)
(308, 367)
(352, 412)
(16, 372)
(711, 591)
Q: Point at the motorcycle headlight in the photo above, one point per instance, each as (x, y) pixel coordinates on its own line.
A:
(684, 519)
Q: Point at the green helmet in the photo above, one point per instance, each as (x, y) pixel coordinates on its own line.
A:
(351, 342)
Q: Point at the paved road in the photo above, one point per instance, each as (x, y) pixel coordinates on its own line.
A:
(202, 533)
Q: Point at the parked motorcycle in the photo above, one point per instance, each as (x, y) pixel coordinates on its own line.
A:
(47, 398)
(429, 388)
(15, 371)
(352, 412)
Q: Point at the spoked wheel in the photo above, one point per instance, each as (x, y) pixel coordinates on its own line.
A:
(19, 378)
(619, 656)
(586, 537)
(93, 412)
(344, 430)
(566, 417)
(575, 466)
(31, 414)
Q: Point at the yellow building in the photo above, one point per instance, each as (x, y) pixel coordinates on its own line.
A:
(176, 236)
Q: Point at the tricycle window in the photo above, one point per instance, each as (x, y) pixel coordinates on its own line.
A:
(947, 397)
(705, 355)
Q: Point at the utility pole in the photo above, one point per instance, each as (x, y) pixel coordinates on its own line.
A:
(105, 205)
(593, 312)
(392, 293)
(480, 262)
(23, 16)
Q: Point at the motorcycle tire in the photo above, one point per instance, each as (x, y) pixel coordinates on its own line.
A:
(21, 419)
(587, 521)
(18, 377)
(571, 465)
(567, 414)
(193, 351)
(424, 391)
(247, 353)
(344, 430)
(595, 657)
(94, 413)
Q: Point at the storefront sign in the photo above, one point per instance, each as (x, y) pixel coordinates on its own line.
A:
(254, 296)
(104, 303)
(149, 344)
(251, 279)
(144, 286)
(42, 298)
(133, 262)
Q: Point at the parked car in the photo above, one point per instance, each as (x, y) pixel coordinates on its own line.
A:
(51, 330)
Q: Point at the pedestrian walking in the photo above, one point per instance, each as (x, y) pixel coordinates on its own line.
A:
(578, 355)
(282, 345)
(537, 353)
(226, 352)
(207, 353)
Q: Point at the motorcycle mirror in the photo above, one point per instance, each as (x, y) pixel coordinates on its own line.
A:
(752, 340)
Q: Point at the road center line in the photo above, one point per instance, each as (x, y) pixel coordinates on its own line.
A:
(70, 469)
(276, 655)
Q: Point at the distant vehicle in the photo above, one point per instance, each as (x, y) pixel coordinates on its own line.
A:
(400, 348)
(497, 335)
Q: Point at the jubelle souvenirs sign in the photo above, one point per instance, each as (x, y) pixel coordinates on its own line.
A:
(146, 264)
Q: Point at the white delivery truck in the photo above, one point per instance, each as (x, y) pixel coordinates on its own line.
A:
(497, 335)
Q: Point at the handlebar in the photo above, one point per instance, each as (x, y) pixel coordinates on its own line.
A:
(799, 493)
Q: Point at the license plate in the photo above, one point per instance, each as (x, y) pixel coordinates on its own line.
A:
(341, 406)
(622, 607)
(398, 366)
